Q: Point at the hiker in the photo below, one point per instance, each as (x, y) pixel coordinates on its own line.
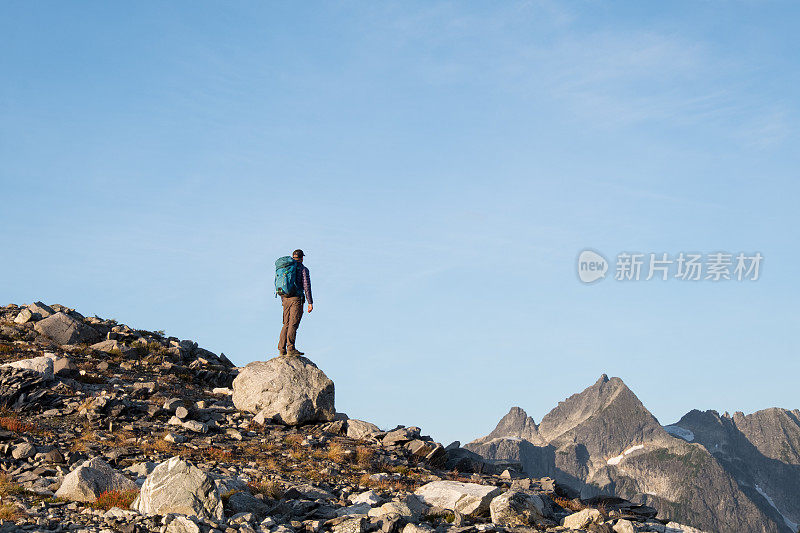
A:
(293, 283)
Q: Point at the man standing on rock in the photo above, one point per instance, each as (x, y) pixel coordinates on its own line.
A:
(293, 310)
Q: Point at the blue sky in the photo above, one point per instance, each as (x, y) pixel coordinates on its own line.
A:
(442, 164)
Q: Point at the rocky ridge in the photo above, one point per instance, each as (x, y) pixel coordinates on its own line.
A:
(108, 428)
(604, 442)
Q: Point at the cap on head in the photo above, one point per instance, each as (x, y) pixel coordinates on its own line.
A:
(298, 253)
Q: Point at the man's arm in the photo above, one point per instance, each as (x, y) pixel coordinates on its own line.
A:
(307, 288)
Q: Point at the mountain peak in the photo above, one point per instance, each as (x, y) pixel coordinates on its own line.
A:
(516, 424)
(607, 403)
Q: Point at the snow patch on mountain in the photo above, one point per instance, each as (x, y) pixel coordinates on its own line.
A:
(681, 433)
(789, 523)
(674, 527)
(618, 459)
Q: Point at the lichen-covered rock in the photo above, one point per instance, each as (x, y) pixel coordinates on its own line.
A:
(41, 365)
(65, 329)
(466, 498)
(176, 486)
(289, 390)
(92, 478)
(516, 508)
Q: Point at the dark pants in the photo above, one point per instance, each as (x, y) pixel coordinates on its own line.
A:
(292, 313)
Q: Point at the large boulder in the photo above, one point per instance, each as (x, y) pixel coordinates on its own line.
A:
(466, 498)
(41, 365)
(65, 329)
(516, 508)
(92, 478)
(176, 486)
(289, 390)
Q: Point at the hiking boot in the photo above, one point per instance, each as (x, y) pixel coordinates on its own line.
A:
(281, 352)
(294, 353)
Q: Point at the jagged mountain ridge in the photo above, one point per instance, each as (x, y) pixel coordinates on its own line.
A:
(760, 450)
(604, 441)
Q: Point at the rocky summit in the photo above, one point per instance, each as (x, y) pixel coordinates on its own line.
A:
(109, 428)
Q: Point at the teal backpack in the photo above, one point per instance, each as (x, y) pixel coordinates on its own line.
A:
(288, 280)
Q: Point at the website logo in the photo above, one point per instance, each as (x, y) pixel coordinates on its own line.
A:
(591, 266)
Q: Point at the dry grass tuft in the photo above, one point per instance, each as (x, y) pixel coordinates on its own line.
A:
(88, 435)
(394, 485)
(570, 505)
(294, 440)
(336, 453)
(8, 488)
(268, 488)
(221, 455)
(11, 513)
(364, 456)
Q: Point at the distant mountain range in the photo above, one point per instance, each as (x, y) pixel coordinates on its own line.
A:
(717, 473)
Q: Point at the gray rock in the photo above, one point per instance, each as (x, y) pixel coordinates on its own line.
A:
(172, 404)
(417, 528)
(64, 329)
(176, 486)
(516, 508)
(624, 526)
(582, 519)
(141, 469)
(370, 497)
(420, 448)
(352, 525)
(90, 479)
(358, 429)
(194, 425)
(113, 345)
(54, 456)
(466, 498)
(244, 502)
(181, 412)
(175, 438)
(289, 390)
(41, 365)
(24, 316)
(40, 310)
(23, 451)
(400, 436)
(308, 492)
(355, 509)
(182, 524)
(409, 507)
(63, 366)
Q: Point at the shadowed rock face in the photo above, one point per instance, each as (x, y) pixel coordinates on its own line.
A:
(604, 441)
(761, 451)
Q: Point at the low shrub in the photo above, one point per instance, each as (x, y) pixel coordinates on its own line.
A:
(114, 498)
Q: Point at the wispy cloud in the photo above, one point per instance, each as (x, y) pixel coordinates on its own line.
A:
(542, 53)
